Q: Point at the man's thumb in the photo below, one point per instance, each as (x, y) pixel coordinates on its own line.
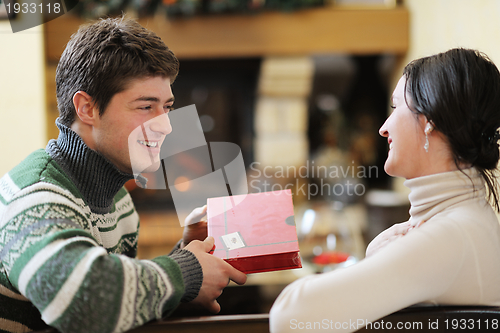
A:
(209, 243)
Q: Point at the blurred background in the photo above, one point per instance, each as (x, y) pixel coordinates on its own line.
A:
(302, 86)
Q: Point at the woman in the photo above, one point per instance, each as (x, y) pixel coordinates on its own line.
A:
(442, 137)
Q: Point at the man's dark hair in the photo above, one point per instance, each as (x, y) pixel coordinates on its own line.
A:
(103, 57)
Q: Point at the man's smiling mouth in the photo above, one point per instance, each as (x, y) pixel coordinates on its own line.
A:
(148, 143)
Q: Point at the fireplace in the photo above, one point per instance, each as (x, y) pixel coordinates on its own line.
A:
(346, 103)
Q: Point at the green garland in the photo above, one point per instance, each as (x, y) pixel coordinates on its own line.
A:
(186, 8)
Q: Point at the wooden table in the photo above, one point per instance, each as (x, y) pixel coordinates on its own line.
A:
(248, 323)
(251, 323)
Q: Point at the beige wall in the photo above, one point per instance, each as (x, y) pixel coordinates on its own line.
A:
(22, 89)
(438, 25)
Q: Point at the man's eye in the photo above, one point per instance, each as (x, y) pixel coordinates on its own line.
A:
(146, 107)
(169, 107)
(392, 106)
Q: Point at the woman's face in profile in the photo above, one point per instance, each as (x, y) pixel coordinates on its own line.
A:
(405, 135)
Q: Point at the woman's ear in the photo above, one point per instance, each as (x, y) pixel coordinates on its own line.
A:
(85, 107)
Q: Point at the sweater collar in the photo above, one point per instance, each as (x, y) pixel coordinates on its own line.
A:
(97, 178)
(431, 194)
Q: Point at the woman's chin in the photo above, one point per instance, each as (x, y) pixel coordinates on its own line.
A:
(389, 169)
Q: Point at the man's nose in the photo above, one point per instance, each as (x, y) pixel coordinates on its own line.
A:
(161, 124)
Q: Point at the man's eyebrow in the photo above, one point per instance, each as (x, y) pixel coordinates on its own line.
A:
(151, 99)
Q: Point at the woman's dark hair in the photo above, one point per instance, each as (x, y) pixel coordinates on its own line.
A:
(103, 57)
(458, 91)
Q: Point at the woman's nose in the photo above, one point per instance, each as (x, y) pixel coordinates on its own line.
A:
(383, 130)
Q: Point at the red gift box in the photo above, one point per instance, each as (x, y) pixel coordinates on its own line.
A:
(255, 232)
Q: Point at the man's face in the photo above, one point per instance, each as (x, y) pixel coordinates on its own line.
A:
(135, 124)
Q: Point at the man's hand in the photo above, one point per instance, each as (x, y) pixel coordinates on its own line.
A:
(216, 274)
(194, 228)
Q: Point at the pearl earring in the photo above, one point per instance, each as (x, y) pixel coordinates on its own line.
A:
(428, 129)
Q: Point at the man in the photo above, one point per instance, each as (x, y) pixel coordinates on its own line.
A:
(68, 227)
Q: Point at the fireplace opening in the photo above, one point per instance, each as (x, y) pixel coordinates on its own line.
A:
(348, 103)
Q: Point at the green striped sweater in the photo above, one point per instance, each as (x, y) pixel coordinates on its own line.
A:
(68, 238)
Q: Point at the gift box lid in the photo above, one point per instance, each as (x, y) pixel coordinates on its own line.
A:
(252, 225)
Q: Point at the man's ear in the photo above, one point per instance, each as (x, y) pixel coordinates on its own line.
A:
(85, 107)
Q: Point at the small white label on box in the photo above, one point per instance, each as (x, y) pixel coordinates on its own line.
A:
(233, 241)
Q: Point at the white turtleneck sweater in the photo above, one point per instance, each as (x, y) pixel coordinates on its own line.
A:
(447, 253)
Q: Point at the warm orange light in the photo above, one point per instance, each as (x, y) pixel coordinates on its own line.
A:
(182, 184)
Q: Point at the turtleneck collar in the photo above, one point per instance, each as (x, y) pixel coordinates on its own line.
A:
(97, 178)
(431, 194)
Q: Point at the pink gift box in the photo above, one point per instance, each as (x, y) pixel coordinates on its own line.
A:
(255, 232)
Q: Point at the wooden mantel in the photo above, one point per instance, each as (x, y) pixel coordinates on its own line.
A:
(310, 31)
